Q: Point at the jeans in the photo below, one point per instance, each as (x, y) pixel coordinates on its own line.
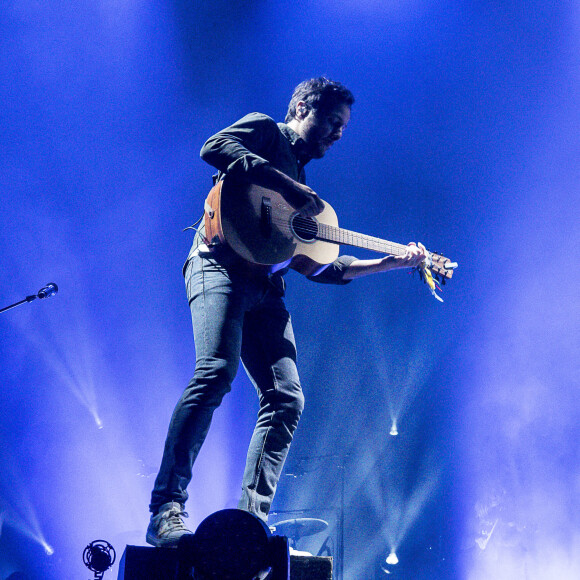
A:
(234, 314)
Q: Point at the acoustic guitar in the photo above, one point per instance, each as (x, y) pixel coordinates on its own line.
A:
(263, 228)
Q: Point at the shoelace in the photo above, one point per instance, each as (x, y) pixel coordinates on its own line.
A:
(173, 518)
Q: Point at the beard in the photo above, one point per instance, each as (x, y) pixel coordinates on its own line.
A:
(318, 149)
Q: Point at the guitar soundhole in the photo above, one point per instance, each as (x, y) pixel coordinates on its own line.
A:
(304, 228)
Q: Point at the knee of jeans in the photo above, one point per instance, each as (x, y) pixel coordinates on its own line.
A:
(299, 403)
(212, 380)
(294, 405)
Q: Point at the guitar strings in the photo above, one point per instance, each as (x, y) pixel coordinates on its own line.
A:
(348, 237)
(333, 234)
(338, 235)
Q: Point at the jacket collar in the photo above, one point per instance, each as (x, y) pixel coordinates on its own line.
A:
(296, 142)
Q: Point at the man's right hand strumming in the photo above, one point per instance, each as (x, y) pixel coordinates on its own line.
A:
(298, 195)
(305, 200)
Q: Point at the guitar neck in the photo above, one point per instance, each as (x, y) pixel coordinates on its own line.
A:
(336, 235)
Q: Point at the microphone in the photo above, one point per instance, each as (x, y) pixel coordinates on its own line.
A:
(98, 557)
(49, 290)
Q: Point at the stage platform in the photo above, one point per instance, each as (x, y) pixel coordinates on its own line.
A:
(145, 563)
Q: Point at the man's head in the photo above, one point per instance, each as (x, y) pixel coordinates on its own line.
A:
(319, 111)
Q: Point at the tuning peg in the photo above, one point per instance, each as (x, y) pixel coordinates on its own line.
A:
(443, 280)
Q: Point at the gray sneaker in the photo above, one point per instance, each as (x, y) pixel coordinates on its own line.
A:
(167, 526)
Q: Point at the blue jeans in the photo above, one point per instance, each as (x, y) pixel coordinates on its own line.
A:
(234, 314)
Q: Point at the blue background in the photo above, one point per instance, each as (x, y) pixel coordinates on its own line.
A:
(464, 135)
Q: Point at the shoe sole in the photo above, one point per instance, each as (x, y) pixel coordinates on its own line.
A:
(163, 543)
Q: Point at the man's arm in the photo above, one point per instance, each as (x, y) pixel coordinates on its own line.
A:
(345, 268)
(358, 268)
(236, 151)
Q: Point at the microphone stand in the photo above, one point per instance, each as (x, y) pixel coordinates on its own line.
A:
(27, 299)
(340, 562)
(341, 466)
(49, 290)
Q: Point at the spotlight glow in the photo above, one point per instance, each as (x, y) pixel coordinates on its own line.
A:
(97, 419)
(48, 549)
(392, 559)
(394, 432)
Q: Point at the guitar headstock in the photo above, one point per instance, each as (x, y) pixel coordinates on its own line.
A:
(441, 267)
(436, 268)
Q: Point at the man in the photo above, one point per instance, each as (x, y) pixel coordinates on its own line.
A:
(238, 309)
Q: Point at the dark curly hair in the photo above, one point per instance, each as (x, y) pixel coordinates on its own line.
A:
(320, 94)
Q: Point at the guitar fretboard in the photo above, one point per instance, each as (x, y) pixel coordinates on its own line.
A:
(344, 237)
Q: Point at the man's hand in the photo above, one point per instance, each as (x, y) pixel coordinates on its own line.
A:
(305, 200)
(298, 195)
(414, 255)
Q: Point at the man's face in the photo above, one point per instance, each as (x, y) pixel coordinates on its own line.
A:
(320, 130)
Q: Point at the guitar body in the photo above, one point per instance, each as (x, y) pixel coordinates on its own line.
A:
(263, 228)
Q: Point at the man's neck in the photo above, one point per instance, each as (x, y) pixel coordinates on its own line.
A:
(295, 126)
